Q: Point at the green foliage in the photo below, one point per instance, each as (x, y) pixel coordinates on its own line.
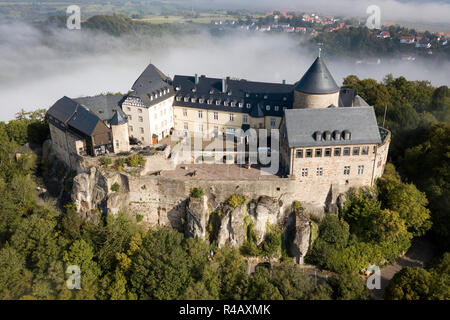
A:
(260, 286)
(136, 160)
(196, 192)
(115, 187)
(334, 231)
(296, 205)
(105, 161)
(349, 286)
(139, 217)
(272, 245)
(236, 200)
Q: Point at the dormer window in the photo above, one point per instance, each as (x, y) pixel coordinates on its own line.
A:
(229, 93)
(233, 104)
(160, 94)
(225, 103)
(193, 99)
(247, 95)
(327, 135)
(201, 100)
(241, 104)
(268, 108)
(318, 136)
(211, 91)
(347, 135)
(249, 105)
(276, 108)
(265, 97)
(284, 98)
(177, 88)
(337, 135)
(194, 90)
(178, 98)
(217, 102)
(186, 99)
(209, 101)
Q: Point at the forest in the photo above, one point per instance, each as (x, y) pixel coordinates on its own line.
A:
(122, 260)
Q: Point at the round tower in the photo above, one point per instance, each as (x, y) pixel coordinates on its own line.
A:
(119, 130)
(317, 88)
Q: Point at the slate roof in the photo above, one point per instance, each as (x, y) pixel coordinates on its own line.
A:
(302, 123)
(63, 109)
(317, 80)
(151, 82)
(103, 106)
(258, 94)
(84, 121)
(118, 118)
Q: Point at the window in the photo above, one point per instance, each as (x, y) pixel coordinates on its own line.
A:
(304, 172)
(365, 150)
(241, 104)
(140, 110)
(200, 114)
(217, 102)
(318, 152)
(225, 103)
(232, 103)
(360, 169)
(129, 117)
(216, 116)
(265, 97)
(230, 131)
(186, 99)
(249, 105)
(200, 127)
(209, 101)
(131, 128)
(186, 126)
(141, 119)
(273, 122)
(347, 170)
(245, 118)
(128, 108)
(337, 152)
(276, 108)
(356, 151)
(299, 154)
(319, 171)
(267, 107)
(184, 112)
(231, 117)
(142, 138)
(142, 130)
(308, 153)
(117, 143)
(346, 151)
(327, 152)
(216, 131)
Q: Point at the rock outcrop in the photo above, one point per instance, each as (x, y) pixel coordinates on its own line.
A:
(267, 212)
(231, 229)
(298, 234)
(197, 214)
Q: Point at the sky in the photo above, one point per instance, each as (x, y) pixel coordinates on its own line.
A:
(37, 70)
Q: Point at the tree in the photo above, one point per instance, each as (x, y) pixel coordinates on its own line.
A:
(231, 269)
(15, 279)
(260, 287)
(348, 286)
(334, 231)
(409, 284)
(292, 282)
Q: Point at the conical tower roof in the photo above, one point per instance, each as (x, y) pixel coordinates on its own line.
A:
(117, 119)
(317, 80)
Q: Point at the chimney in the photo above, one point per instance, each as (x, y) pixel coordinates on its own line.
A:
(196, 79)
(224, 85)
(284, 81)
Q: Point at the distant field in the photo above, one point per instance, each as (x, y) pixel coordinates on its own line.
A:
(200, 18)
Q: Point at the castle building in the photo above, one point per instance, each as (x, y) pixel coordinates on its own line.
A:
(328, 135)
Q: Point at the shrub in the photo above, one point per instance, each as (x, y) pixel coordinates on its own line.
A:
(136, 160)
(115, 187)
(296, 205)
(106, 162)
(197, 193)
(139, 217)
(236, 200)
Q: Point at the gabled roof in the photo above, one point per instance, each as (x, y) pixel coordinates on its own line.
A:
(63, 109)
(317, 80)
(301, 124)
(118, 119)
(84, 121)
(151, 81)
(103, 106)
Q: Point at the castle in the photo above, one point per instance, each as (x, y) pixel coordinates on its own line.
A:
(329, 137)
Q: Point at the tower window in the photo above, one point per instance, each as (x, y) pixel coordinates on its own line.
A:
(308, 153)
